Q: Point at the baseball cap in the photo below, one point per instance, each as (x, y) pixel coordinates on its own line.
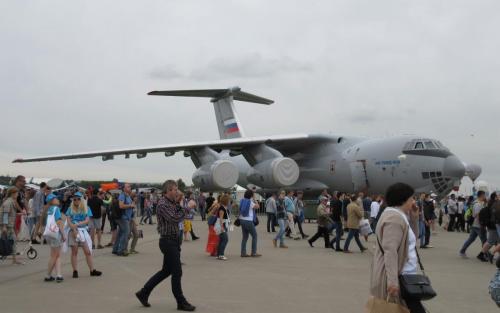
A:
(50, 197)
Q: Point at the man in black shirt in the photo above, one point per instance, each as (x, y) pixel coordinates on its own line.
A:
(96, 204)
(209, 201)
(336, 215)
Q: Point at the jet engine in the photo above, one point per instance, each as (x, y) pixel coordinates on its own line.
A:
(473, 171)
(219, 175)
(273, 173)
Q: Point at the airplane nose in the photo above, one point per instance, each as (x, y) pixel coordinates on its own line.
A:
(453, 167)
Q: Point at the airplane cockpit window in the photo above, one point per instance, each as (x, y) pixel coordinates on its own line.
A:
(419, 146)
(430, 145)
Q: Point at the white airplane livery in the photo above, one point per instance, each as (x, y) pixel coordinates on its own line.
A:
(309, 162)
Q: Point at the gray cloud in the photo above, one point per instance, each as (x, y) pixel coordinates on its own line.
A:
(250, 66)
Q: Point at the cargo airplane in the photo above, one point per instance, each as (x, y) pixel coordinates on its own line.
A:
(309, 162)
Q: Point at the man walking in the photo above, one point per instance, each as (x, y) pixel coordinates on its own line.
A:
(476, 226)
(202, 206)
(452, 212)
(290, 211)
(169, 214)
(428, 206)
(271, 213)
(38, 204)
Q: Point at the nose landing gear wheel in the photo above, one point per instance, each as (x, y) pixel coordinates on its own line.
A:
(31, 254)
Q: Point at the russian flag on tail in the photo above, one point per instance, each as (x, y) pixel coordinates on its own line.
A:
(231, 126)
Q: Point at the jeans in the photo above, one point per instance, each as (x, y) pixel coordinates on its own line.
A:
(32, 222)
(271, 222)
(421, 232)
(281, 233)
(338, 234)
(452, 222)
(171, 266)
(474, 233)
(149, 213)
(322, 232)
(122, 239)
(353, 233)
(296, 220)
(248, 228)
(223, 239)
(203, 213)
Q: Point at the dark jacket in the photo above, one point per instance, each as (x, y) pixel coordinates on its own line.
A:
(428, 210)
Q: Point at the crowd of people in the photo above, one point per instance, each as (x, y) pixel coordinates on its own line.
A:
(401, 221)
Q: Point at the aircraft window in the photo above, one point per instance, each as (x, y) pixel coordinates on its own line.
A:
(434, 181)
(439, 174)
(429, 145)
(425, 175)
(433, 174)
(419, 146)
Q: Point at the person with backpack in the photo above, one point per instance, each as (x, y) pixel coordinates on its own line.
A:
(488, 221)
(476, 229)
(7, 223)
(55, 243)
(123, 218)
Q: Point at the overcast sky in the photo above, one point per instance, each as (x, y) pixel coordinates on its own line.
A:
(74, 76)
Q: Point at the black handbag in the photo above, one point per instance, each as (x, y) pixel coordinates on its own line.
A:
(237, 222)
(6, 246)
(414, 286)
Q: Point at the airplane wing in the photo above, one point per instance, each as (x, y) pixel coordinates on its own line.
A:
(290, 144)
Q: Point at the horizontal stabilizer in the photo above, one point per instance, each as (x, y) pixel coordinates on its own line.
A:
(215, 94)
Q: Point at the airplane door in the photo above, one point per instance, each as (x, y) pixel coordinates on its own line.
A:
(359, 175)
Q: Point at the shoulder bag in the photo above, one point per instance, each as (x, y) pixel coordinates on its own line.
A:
(414, 286)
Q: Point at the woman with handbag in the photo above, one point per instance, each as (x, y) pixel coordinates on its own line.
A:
(8, 220)
(54, 237)
(395, 259)
(222, 227)
(78, 217)
(213, 238)
(248, 219)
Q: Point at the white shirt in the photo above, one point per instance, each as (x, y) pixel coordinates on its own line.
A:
(410, 266)
(374, 208)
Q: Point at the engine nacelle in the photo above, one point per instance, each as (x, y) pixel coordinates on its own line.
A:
(221, 174)
(473, 171)
(274, 173)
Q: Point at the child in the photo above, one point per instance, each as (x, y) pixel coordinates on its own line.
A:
(55, 243)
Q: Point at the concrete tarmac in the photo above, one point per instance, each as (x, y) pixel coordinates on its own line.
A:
(295, 280)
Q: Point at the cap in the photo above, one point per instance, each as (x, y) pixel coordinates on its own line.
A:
(78, 195)
(50, 197)
(323, 198)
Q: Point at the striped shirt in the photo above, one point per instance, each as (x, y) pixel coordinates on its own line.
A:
(169, 214)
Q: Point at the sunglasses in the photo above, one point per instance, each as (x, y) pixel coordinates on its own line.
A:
(76, 199)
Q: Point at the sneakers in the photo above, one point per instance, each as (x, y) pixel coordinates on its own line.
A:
(95, 273)
(75, 274)
(59, 279)
(222, 258)
(245, 256)
(296, 238)
(142, 296)
(133, 252)
(463, 255)
(256, 255)
(481, 257)
(275, 243)
(185, 306)
(283, 246)
(49, 279)
(100, 247)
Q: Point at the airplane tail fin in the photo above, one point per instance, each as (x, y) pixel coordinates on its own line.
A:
(227, 120)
